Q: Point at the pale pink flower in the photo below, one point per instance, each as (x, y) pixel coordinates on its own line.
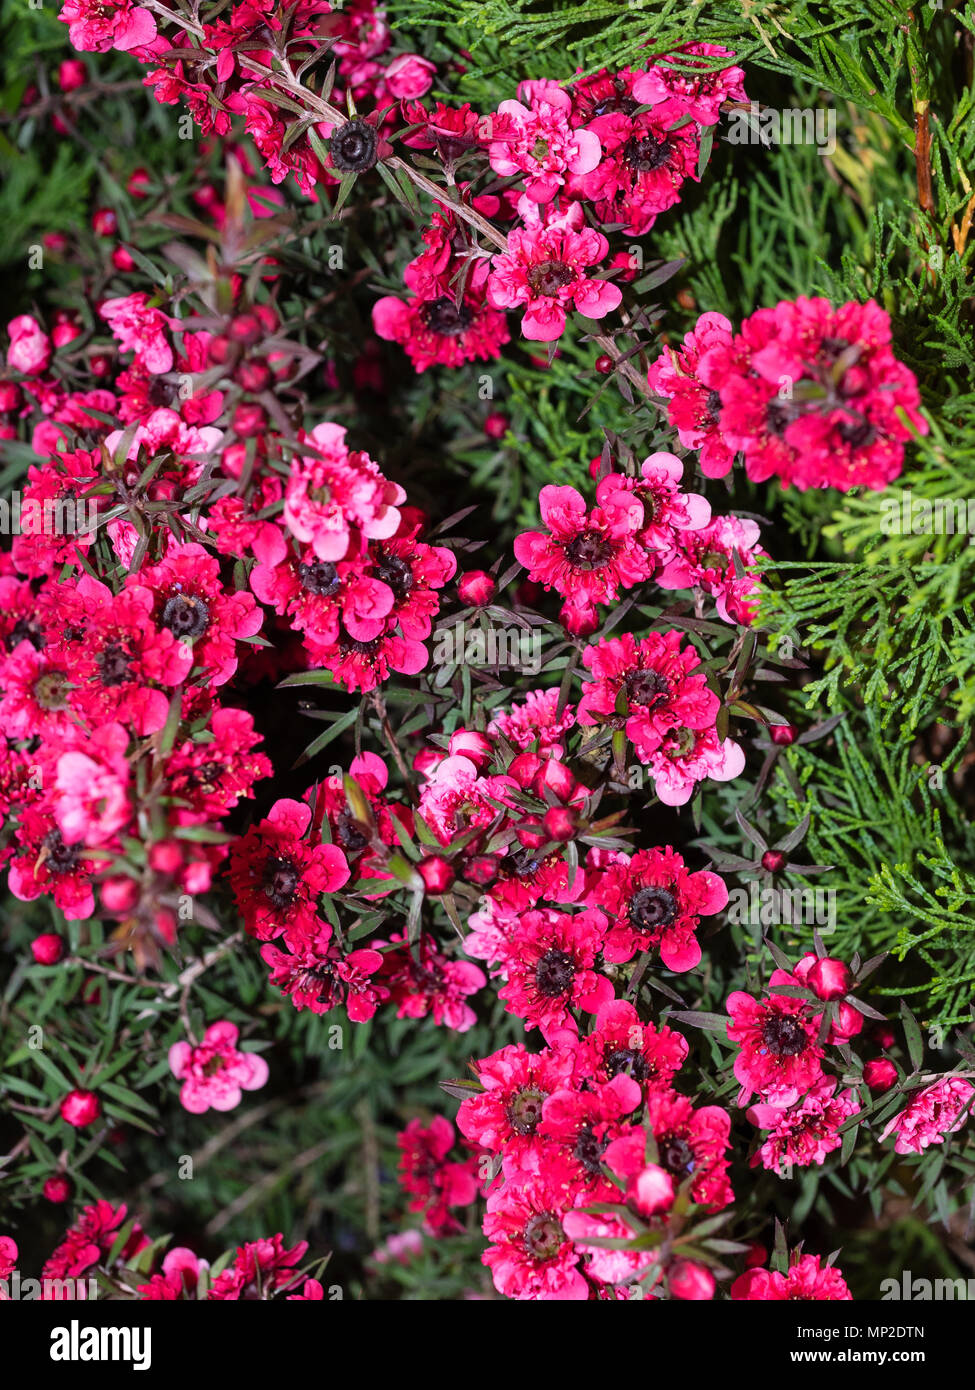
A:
(544, 269)
(92, 792)
(214, 1073)
(30, 347)
(538, 140)
(930, 1115)
(336, 489)
(140, 328)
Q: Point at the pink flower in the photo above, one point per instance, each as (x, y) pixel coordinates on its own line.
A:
(682, 376)
(930, 1115)
(807, 1280)
(531, 1256)
(653, 900)
(779, 1042)
(92, 793)
(706, 559)
(214, 1073)
(95, 26)
(30, 347)
(334, 489)
(409, 76)
(544, 269)
(538, 141)
(140, 328)
(806, 1131)
(588, 556)
(549, 960)
(658, 678)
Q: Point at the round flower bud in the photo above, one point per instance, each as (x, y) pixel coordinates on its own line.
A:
(496, 425)
(80, 1108)
(58, 1188)
(560, 822)
(879, 1074)
(783, 734)
(691, 1281)
(436, 873)
(47, 948)
(830, 978)
(476, 587)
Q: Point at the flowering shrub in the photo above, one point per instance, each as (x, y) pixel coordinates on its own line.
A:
(445, 588)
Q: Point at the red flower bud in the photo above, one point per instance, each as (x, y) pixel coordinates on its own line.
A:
(848, 1023)
(879, 1074)
(47, 948)
(246, 329)
(560, 822)
(530, 836)
(436, 873)
(525, 768)
(829, 978)
(468, 743)
(253, 376)
(476, 587)
(773, 860)
(783, 734)
(80, 1108)
(72, 74)
(690, 1281)
(139, 181)
(249, 420)
(104, 222)
(58, 1188)
(558, 778)
(604, 364)
(496, 426)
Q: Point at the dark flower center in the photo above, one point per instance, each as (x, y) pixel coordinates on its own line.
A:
(161, 393)
(778, 416)
(554, 973)
(186, 615)
(353, 147)
(784, 1036)
(445, 317)
(544, 1236)
(280, 881)
(349, 835)
(61, 858)
(524, 1110)
(320, 578)
(113, 663)
(676, 1155)
(857, 433)
(652, 908)
(648, 688)
(626, 1061)
(24, 630)
(521, 864)
(349, 644)
(647, 153)
(590, 550)
(548, 277)
(714, 405)
(589, 1149)
(396, 572)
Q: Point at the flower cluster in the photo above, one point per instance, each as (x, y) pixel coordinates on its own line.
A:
(594, 1145)
(102, 1243)
(806, 392)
